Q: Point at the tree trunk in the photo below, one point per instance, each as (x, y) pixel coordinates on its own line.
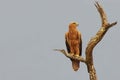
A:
(92, 43)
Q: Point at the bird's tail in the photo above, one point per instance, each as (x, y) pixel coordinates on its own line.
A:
(75, 65)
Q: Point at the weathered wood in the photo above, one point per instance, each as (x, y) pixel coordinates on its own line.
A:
(80, 58)
(95, 40)
(88, 60)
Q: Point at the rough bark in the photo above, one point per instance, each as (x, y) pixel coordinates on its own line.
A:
(70, 56)
(88, 60)
(95, 40)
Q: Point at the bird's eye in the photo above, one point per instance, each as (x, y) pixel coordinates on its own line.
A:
(74, 23)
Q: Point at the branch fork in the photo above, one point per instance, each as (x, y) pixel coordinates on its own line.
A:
(88, 60)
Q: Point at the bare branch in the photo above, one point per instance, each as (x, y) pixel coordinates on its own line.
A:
(102, 14)
(92, 43)
(70, 56)
(99, 35)
(95, 40)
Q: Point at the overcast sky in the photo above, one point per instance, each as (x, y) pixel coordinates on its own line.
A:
(31, 29)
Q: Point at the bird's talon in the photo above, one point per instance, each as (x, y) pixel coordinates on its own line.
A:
(76, 55)
(72, 54)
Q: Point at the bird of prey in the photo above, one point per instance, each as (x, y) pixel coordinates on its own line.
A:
(73, 43)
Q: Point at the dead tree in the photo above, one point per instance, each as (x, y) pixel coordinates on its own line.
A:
(88, 60)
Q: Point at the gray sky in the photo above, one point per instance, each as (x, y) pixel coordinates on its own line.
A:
(31, 29)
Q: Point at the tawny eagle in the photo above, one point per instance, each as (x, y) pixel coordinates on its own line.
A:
(74, 44)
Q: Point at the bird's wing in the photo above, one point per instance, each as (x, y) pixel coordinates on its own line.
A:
(67, 46)
(66, 42)
(80, 47)
(80, 43)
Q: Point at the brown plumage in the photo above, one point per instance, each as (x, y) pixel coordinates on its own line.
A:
(74, 43)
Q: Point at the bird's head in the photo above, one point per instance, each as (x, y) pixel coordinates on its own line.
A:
(73, 25)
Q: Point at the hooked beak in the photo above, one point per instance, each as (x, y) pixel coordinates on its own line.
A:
(77, 24)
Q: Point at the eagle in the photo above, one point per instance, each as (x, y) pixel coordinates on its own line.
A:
(73, 43)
